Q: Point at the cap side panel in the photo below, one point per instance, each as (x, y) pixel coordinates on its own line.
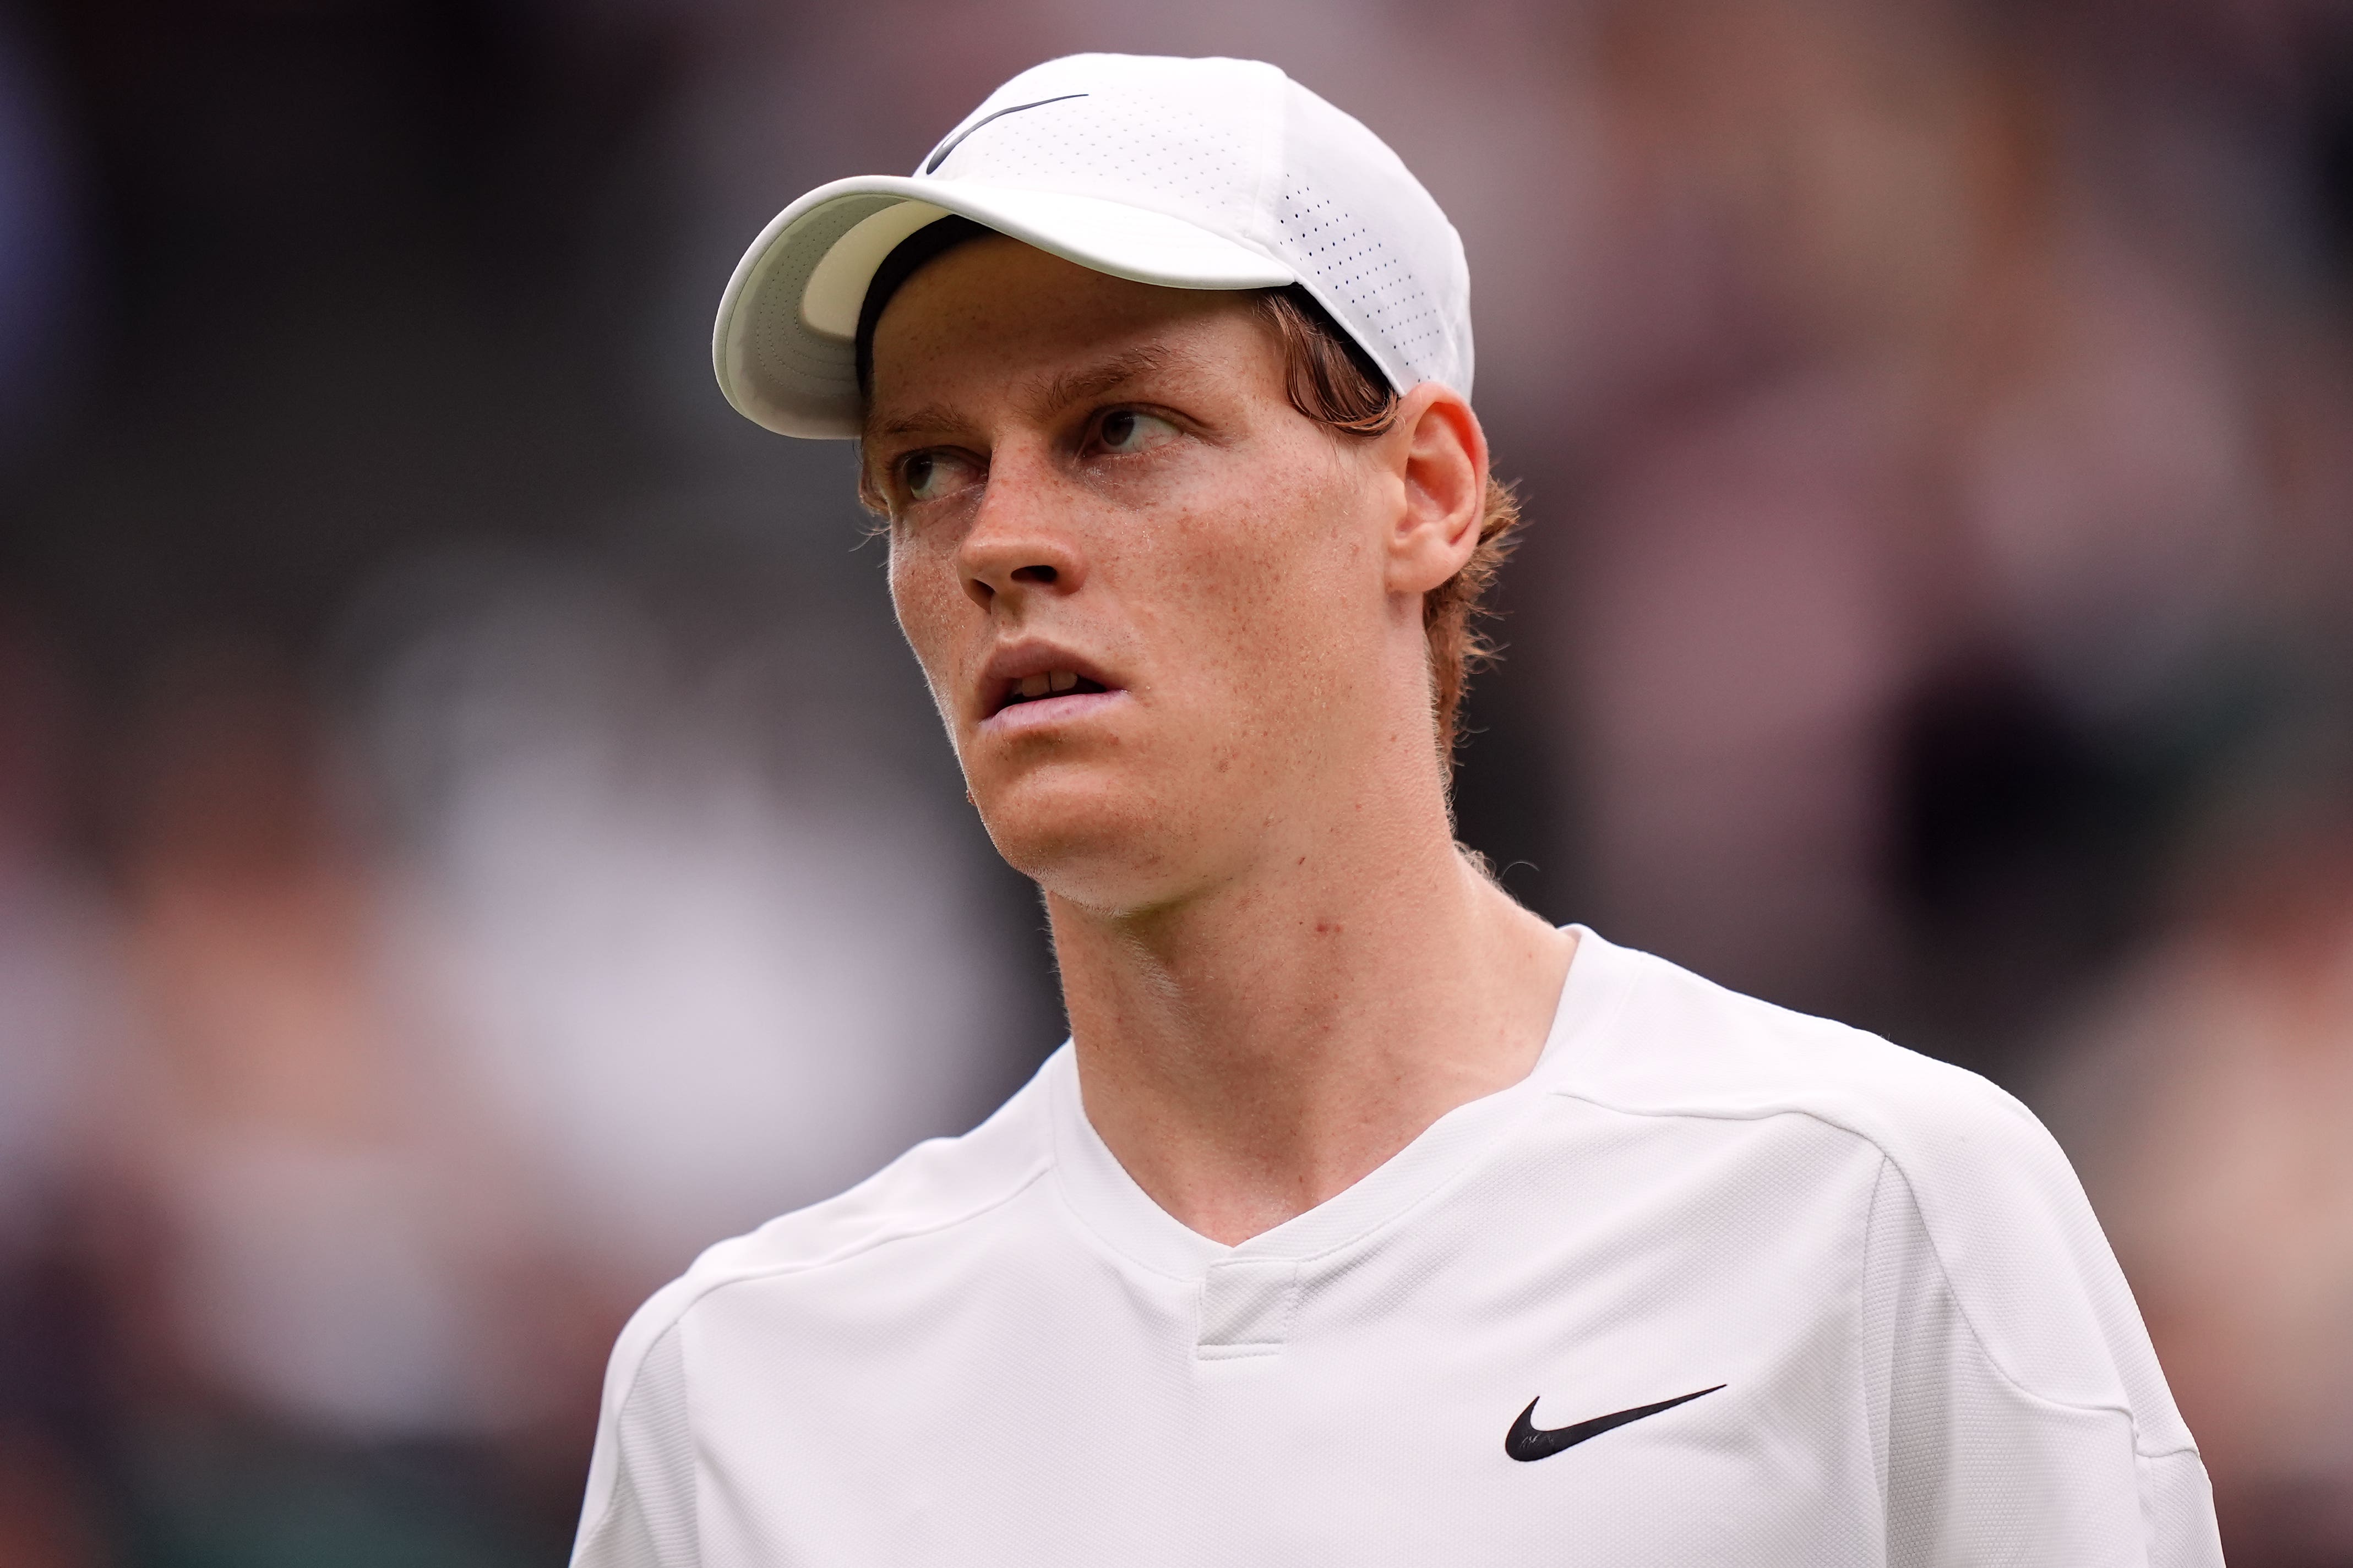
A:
(1367, 290)
(1189, 173)
(1272, 136)
(1374, 245)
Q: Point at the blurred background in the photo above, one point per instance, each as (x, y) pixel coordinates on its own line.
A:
(469, 835)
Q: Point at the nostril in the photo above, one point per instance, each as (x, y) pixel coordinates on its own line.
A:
(1041, 574)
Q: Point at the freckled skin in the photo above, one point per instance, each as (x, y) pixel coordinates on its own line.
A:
(1278, 968)
(1233, 578)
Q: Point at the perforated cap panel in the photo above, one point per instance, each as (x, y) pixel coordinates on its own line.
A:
(1192, 173)
(1138, 146)
(1363, 282)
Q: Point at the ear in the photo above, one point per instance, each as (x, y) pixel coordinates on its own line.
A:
(1441, 455)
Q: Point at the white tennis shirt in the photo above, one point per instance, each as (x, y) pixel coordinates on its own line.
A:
(1915, 1346)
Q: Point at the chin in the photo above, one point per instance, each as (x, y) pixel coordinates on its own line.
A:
(1091, 841)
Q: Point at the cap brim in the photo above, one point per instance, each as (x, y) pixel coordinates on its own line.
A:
(784, 345)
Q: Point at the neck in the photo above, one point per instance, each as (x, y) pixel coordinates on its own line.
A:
(1251, 1051)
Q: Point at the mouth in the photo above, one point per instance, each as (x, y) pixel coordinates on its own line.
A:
(1039, 682)
(1054, 683)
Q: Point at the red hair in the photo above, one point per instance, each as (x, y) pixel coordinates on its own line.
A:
(1335, 382)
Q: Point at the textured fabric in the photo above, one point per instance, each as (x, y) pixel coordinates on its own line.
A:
(1188, 173)
(651, 1520)
(1915, 1346)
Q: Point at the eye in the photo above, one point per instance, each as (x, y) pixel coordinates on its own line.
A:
(1127, 431)
(927, 476)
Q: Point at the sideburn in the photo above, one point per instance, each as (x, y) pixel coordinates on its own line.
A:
(1333, 381)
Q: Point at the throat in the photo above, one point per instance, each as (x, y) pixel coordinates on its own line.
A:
(1258, 1066)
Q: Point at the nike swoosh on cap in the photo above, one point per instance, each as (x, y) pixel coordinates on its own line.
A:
(931, 165)
(1528, 1442)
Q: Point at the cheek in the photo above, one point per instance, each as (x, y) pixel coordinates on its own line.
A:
(931, 606)
(1274, 581)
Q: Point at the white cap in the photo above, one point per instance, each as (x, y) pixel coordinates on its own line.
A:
(1209, 173)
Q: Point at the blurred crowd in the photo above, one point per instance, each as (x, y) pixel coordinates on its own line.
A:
(470, 835)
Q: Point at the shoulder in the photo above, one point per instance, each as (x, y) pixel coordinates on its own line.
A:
(1999, 1211)
(1679, 1043)
(929, 1191)
(640, 1487)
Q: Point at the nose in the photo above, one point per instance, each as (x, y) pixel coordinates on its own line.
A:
(1020, 544)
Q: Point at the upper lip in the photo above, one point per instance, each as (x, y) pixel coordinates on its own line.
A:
(1009, 666)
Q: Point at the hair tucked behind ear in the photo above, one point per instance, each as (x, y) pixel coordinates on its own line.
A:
(1335, 382)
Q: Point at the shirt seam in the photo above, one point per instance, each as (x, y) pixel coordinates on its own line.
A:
(596, 1534)
(678, 1316)
(1961, 1310)
(1934, 1251)
(1028, 1179)
(1882, 1460)
(810, 1266)
(2188, 1450)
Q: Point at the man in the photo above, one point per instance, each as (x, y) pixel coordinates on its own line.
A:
(1364, 1217)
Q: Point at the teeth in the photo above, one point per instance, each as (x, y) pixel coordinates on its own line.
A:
(1030, 688)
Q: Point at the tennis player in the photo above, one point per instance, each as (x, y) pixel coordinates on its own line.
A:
(1364, 1219)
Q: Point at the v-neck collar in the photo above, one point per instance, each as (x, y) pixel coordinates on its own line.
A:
(1107, 1200)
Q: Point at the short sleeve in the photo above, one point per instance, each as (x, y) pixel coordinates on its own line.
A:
(1979, 1468)
(640, 1509)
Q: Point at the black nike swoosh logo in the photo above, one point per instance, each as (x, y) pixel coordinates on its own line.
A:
(1528, 1442)
(931, 165)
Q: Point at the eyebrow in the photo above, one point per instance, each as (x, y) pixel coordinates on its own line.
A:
(930, 416)
(1051, 395)
(1083, 386)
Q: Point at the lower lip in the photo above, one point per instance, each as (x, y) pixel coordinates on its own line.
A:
(1045, 712)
